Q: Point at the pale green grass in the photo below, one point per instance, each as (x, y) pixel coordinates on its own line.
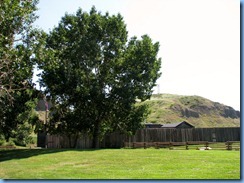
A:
(166, 108)
(119, 164)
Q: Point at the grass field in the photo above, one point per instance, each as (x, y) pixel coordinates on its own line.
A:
(119, 164)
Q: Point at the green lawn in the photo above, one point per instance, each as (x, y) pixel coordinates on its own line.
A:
(119, 164)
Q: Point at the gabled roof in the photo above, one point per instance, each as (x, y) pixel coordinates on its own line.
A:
(153, 125)
(175, 125)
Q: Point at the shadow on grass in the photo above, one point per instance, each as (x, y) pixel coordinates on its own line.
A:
(6, 155)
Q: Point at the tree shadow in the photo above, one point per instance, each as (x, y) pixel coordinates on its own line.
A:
(6, 155)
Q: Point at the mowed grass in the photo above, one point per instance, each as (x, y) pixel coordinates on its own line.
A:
(119, 164)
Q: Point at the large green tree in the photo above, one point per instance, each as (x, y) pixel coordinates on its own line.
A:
(95, 75)
(17, 46)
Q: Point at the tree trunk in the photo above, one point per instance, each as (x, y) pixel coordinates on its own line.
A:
(96, 139)
(75, 140)
(69, 137)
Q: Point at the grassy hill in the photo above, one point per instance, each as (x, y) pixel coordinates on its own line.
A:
(199, 111)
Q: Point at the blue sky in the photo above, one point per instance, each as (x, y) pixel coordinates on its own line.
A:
(200, 40)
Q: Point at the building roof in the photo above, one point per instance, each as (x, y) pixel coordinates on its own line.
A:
(153, 125)
(175, 125)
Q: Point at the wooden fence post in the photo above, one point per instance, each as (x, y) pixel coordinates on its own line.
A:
(206, 145)
(170, 145)
(156, 145)
(229, 145)
(187, 148)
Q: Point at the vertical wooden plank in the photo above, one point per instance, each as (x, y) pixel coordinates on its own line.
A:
(117, 139)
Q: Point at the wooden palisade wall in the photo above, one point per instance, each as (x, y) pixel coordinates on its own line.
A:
(116, 139)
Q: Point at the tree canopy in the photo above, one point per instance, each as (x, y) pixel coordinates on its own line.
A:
(16, 44)
(17, 40)
(95, 75)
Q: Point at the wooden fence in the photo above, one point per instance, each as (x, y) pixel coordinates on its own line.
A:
(62, 141)
(174, 135)
(116, 139)
(199, 145)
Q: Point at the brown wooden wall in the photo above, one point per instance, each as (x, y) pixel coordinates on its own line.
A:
(116, 140)
(62, 141)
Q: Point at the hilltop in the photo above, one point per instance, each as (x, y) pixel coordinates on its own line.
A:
(169, 108)
(199, 111)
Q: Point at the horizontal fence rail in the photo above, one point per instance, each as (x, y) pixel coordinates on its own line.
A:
(198, 145)
(148, 135)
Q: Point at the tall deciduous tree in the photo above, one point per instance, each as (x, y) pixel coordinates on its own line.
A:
(95, 75)
(17, 41)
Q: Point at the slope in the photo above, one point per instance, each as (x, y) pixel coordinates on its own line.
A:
(199, 111)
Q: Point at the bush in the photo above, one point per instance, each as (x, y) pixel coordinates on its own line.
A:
(22, 136)
(10, 143)
(2, 140)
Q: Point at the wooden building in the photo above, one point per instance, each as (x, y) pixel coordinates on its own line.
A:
(153, 125)
(182, 124)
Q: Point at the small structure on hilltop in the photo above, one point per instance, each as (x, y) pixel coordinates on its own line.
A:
(153, 125)
(182, 124)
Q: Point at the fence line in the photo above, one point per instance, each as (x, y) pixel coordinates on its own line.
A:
(179, 135)
(199, 145)
(116, 139)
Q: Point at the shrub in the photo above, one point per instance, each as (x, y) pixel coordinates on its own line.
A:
(10, 143)
(22, 136)
(2, 140)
